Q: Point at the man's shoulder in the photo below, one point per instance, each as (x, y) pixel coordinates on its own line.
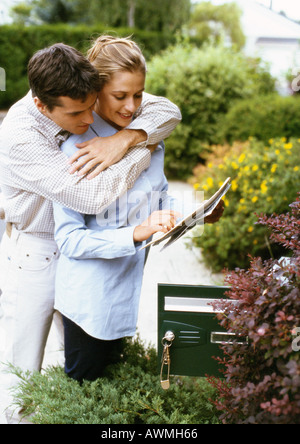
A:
(19, 116)
(21, 124)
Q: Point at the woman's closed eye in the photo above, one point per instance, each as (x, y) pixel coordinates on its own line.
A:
(120, 98)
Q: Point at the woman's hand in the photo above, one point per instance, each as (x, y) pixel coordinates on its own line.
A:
(216, 215)
(98, 154)
(162, 221)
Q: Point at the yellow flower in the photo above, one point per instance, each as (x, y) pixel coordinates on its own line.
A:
(288, 146)
(274, 168)
(296, 168)
(242, 158)
(250, 229)
(221, 167)
(263, 187)
(242, 200)
(196, 186)
(234, 185)
(283, 139)
(234, 165)
(255, 168)
(210, 165)
(271, 141)
(210, 182)
(254, 199)
(277, 152)
(226, 201)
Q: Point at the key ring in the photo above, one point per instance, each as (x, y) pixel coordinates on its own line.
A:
(167, 342)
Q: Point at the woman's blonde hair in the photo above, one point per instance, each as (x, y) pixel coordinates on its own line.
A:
(112, 54)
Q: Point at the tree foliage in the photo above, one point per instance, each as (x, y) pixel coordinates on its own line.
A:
(157, 15)
(218, 23)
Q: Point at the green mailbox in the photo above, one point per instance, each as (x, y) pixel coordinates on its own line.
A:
(189, 334)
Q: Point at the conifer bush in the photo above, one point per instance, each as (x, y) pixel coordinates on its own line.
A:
(130, 393)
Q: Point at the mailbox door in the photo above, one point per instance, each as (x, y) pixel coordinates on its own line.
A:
(187, 312)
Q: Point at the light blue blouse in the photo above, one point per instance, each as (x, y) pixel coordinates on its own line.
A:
(100, 270)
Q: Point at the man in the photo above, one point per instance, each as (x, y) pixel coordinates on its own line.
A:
(34, 173)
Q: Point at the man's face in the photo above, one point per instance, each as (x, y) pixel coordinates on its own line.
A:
(74, 116)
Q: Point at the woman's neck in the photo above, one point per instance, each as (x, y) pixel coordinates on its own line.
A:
(98, 111)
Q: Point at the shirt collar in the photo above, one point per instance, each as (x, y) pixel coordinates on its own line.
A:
(51, 127)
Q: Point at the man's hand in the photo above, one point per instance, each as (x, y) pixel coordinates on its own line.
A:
(216, 215)
(97, 154)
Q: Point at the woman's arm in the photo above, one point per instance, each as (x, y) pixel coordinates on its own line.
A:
(75, 240)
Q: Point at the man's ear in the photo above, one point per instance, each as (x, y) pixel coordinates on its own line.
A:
(40, 105)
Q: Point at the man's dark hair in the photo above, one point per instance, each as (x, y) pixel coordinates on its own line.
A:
(61, 70)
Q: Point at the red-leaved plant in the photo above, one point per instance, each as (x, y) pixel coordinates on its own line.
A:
(261, 383)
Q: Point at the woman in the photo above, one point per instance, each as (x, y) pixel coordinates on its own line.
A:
(100, 270)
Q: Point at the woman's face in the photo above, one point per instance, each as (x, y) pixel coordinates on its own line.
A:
(120, 98)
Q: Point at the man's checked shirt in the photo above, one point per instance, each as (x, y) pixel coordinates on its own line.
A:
(34, 172)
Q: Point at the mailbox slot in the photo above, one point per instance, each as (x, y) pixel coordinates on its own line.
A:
(227, 338)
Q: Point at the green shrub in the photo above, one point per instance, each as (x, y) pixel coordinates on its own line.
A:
(129, 394)
(204, 83)
(261, 117)
(18, 43)
(265, 179)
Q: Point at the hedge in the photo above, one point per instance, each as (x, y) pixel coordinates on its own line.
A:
(18, 44)
(263, 117)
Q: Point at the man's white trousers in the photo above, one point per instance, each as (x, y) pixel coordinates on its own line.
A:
(27, 280)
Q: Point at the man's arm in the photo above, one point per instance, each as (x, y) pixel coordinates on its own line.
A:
(155, 120)
(45, 171)
(100, 153)
(158, 117)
